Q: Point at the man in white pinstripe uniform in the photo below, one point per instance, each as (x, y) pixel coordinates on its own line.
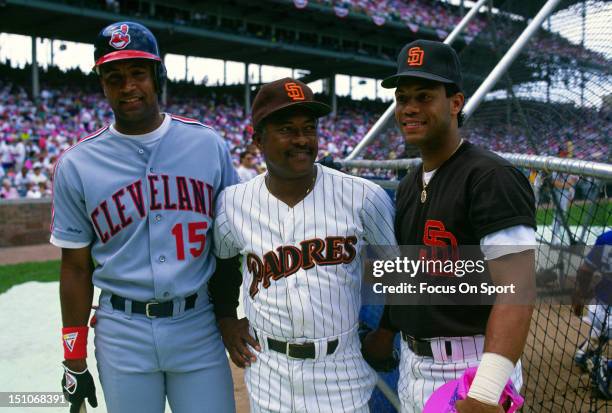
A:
(299, 229)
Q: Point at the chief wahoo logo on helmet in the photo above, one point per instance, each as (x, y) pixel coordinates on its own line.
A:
(120, 37)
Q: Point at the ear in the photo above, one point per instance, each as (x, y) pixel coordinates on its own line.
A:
(258, 138)
(102, 87)
(456, 103)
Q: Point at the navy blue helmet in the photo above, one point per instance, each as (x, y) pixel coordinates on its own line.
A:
(128, 40)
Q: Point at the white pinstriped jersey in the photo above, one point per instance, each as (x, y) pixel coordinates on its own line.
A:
(302, 266)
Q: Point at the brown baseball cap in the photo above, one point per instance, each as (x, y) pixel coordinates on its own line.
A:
(282, 94)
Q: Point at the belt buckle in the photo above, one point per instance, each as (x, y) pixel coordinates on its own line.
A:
(147, 308)
(412, 342)
(288, 350)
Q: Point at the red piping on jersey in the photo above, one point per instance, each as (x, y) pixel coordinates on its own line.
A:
(188, 121)
(86, 138)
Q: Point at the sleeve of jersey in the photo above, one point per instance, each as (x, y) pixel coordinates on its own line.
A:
(500, 199)
(594, 258)
(378, 215)
(229, 176)
(225, 245)
(70, 224)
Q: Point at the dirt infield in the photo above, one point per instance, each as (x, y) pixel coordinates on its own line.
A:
(45, 252)
(16, 255)
(240, 391)
(553, 383)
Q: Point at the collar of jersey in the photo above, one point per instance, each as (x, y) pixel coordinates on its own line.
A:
(428, 175)
(146, 137)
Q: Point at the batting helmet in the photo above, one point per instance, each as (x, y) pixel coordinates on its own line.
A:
(128, 40)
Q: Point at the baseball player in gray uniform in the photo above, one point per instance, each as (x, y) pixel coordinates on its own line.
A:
(133, 211)
(299, 229)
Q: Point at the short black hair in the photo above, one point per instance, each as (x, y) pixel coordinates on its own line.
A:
(244, 154)
(451, 90)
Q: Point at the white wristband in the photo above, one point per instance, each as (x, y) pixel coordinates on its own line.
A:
(491, 378)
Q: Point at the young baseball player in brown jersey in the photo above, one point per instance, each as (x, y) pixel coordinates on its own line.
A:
(469, 196)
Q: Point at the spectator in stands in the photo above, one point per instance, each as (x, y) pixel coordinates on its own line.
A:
(21, 180)
(19, 153)
(8, 191)
(33, 191)
(37, 176)
(246, 170)
(45, 190)
(6, 155)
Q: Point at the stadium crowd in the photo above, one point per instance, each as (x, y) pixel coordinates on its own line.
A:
(437, 17)
(415, 14)
(33, 135)
(443, 18)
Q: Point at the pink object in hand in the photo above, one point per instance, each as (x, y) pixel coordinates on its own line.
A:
(443, 400)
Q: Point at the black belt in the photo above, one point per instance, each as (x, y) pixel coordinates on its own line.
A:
(420, 347)
(152, 309)
(299, 351)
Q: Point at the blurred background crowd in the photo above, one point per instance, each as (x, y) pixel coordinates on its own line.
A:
(33, 135)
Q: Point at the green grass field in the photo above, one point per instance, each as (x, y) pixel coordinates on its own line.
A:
(579, 214)
(47, 271)
(16, 274)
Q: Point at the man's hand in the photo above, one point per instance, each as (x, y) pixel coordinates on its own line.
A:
(235, 334)
(470, 405)
(78, 386)
(380, 359)
(378, 344)
(578, 300)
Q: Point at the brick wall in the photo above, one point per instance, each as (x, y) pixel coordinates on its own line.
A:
(24, 222)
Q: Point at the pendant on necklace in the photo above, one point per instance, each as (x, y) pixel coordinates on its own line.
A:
(423, 196)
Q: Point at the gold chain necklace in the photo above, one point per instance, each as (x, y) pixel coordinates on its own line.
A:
(425, 184)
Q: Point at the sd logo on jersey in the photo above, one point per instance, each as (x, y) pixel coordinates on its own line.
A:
(120, 38)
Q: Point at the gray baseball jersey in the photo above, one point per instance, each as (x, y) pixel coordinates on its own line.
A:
(145, 205)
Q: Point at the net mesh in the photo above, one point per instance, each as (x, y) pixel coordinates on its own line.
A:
(554, 100)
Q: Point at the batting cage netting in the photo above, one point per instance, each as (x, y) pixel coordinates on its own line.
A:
(550, 115)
